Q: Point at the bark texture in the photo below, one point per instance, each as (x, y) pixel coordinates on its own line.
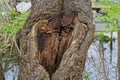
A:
(55, 40)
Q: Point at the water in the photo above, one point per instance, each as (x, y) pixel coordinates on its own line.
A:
(102, 61)
(12, 73)
(11, 68)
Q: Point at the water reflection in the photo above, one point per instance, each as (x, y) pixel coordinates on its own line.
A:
(11, 68)
(102, 61)
(12, 73)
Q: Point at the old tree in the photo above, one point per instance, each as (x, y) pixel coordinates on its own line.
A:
(55, 40)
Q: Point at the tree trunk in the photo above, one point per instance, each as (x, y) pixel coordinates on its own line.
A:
(55, 40)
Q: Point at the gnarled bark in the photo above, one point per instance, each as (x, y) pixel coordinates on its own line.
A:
(55, 40)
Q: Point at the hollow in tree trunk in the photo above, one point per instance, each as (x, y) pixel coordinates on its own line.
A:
(55, 40)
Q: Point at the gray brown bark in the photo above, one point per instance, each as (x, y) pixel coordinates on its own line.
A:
(55, 40)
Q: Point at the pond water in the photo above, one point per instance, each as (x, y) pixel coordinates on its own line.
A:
(11, 69)
(101, 63)
(12, 73)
